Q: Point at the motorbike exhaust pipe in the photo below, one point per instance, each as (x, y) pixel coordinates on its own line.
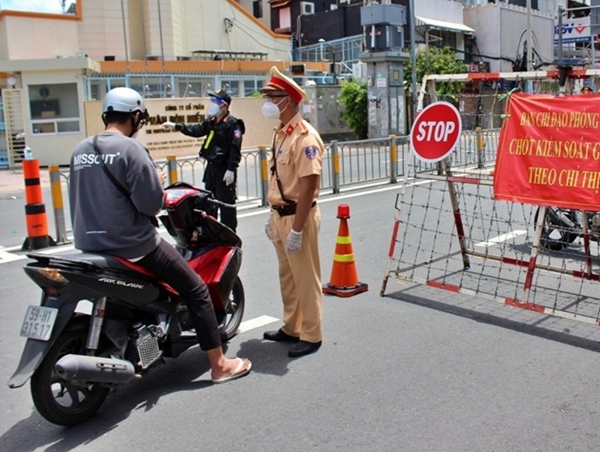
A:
(94, 369)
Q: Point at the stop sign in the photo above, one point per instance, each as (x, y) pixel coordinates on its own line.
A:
(435, 132)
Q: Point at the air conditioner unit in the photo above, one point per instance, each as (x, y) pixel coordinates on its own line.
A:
(307, 8)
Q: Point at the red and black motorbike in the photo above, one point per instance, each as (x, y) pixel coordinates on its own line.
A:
(103, 321)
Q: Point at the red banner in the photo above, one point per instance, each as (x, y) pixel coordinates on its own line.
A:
(549, 151)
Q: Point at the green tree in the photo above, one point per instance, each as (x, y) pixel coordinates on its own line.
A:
(437, 60)
(354, 98)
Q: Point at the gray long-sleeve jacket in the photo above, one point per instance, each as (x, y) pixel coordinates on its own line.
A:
(104, 219)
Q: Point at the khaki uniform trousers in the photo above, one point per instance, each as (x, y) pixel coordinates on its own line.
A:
(300, 277)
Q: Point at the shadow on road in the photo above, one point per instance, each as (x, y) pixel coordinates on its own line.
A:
(537, 328)
(189, 372)
(176, 375)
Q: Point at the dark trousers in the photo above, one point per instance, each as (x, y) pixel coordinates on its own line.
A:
(166, 263)
(213, 182)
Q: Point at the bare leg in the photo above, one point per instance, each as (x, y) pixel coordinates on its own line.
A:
(221, 366)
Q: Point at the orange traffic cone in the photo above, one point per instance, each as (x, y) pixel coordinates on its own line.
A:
(344, 278)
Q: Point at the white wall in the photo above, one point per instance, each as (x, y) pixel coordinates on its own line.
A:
(3, 41)
(244, 36)
(514, 24)
(505, 26)
(28, 38)
(446, 10)
(488, 19)
(185, 26)
(551, 6)
(101, 31)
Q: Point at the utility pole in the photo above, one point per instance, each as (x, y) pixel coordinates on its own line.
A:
(530, 66)
(560, 35)
(413, 59)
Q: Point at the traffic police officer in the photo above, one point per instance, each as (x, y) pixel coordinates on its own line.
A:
(221, 149)
(295, 219)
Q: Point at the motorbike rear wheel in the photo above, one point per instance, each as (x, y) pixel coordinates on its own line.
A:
(234, 311)
(558, 229)
(60, 401)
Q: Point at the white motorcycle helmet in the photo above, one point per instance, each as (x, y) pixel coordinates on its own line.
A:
(124, 100)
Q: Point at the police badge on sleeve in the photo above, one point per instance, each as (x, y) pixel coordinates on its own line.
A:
(311, 152)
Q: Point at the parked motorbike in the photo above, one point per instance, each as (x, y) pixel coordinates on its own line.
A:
(562, 226)
(103, 321)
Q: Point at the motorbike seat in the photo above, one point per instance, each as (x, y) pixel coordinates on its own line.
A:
(103, 261)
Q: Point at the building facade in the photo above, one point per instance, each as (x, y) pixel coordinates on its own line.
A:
(52, 64)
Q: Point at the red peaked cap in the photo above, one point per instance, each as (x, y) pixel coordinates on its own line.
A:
(279, 82)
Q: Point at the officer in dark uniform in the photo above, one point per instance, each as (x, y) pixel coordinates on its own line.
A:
(221, 149)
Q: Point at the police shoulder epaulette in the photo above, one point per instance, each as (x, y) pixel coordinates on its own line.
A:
(302, 127)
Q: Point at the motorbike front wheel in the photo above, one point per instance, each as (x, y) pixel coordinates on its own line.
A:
(557, 231)
(234, 311)
(60, 401)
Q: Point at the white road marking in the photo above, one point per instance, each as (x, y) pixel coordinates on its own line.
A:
(256, 323)
(55, 249)
(354, 194)
(502, 238)
(7, 256)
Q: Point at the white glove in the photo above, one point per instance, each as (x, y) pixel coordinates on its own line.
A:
(294, 242)
(168, 125)
(269, 228)
(228, 178)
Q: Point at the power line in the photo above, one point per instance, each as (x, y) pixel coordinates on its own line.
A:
(254, 39)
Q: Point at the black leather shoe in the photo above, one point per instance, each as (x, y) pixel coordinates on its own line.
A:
(303, 348)
(279, 336)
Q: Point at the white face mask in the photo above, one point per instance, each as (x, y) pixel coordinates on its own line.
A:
(213, 109)
(270, 110)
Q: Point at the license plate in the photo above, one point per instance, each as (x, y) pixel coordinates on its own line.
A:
(38, 322)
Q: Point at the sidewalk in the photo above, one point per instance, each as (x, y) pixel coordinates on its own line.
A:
(13, 181)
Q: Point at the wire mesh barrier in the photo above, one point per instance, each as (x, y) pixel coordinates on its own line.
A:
(451, 233)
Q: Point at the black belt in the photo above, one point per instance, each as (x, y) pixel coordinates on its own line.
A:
(289, 209)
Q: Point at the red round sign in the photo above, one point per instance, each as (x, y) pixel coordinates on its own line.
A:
(435, 132)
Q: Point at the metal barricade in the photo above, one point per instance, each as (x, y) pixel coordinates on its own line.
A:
(347, 165)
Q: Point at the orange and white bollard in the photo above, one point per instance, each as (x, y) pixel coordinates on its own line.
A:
(35, 211)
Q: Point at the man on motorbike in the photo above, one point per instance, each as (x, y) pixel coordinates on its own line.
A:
(117, 220)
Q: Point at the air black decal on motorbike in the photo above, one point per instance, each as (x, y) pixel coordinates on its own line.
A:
(121, 283)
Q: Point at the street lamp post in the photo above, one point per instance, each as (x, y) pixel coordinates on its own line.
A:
(321, 41)
(413, 60)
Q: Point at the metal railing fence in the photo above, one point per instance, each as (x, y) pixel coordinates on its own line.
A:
(347, 165)
(345, 50)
